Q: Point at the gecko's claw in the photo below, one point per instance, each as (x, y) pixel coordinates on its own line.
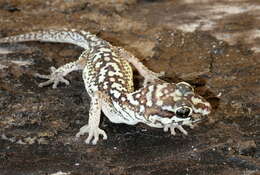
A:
(55, 77)
(93, 133)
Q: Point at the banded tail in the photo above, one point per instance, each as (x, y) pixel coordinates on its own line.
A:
(79, 38)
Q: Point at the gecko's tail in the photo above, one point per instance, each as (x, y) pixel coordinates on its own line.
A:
(80, 38)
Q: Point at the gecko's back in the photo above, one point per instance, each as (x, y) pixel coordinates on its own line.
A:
(106, 72)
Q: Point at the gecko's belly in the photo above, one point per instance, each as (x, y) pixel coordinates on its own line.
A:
(116, 115)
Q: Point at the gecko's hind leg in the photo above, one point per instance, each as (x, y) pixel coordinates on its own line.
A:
(149, 76)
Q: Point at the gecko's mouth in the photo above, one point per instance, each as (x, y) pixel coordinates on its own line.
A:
(188, 121)
(179, 121)
(203, 119)
(196, 120)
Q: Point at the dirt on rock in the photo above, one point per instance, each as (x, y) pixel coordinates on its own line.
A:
(213, 45)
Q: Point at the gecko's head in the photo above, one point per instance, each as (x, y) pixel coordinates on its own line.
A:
(189, 104)
(181, 105)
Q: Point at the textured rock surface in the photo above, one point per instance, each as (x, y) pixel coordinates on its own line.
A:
(214, 45)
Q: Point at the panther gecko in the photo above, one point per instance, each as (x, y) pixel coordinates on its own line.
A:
(108, 79)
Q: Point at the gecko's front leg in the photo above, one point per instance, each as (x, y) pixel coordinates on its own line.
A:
(57, 75)
(92, 128)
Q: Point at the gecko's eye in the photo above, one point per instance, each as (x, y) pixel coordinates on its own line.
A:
(183, 112)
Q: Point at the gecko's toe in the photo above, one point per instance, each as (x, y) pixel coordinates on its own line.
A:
(37, 75)
(53, 69)
(63, 80)
(103, 133)
(93, 133)
(90, 136)
(182, 130)
(166, 128)
(179, 127)
(46, 83)
(84, 129)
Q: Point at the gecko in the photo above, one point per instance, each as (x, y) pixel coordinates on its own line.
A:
(108, 80)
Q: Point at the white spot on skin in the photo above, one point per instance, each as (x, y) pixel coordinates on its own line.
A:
(149, 102)
(196, 101)
(105, 50)
(201, 111)
(123, 99)
(101, 77)
(159, 102)
(159, 88)
(176, 95)
(98, 64)
(115, 93)
(96, 39)
(138, 96)
(177, 92)
(113, 54)
(112, 79)
(84, 32)
(107, 59)
(96, 57)
(132, 100)
(111, 74)
(114, 65)
(117, 86)
(166, 91)
(105, 85)
(168, 108)
(142, 109)
(158, 94)
(121, 80)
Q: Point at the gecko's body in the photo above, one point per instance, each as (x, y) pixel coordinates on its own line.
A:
(108, 80)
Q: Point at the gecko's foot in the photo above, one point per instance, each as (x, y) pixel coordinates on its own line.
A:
(152, 76)
(93, 133)
(54, 78)
(172, 128)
